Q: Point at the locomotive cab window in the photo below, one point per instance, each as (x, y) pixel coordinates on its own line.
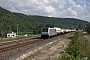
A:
(45, 30)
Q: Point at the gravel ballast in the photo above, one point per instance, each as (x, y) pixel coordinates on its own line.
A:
(50, 51)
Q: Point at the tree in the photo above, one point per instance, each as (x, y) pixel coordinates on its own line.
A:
(88, 28)
(49, 25)
(9, 21)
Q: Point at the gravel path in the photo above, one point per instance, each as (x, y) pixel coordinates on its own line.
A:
(51, 51)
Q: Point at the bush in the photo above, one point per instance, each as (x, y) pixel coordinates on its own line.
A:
(75, 50)
(66, 56)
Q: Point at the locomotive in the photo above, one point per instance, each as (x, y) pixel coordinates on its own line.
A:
(47, 32)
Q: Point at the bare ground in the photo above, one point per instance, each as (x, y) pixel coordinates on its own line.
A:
(51, 51)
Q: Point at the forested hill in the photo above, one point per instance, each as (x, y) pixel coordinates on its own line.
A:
(10, 20)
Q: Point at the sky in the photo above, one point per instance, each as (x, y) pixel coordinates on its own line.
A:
(79, 9)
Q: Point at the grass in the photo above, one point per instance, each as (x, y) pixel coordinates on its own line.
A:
(86, 50)
(19, 38)
(79, 48)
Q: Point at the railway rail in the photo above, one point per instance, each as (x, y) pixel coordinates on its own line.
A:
(15, 45)
(10, 49)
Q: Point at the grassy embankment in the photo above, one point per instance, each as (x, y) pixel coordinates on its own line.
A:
(78, 49)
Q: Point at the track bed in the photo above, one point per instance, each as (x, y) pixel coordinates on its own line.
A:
(10, 49)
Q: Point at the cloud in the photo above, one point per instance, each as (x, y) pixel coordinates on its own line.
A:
(81, 1)
(78, 8)
(88, 7)
(52, 8)
(82, 11)
(69, 13)
(46, 1)
(72, 2)
(58, 4)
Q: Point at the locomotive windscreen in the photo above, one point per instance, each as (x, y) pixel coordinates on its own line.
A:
(45, 30)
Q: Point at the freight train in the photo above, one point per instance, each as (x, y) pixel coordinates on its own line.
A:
(47, 32)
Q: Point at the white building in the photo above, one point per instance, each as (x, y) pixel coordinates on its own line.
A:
(11, 35)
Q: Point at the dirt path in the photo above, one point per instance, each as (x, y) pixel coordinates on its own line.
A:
(51, 51)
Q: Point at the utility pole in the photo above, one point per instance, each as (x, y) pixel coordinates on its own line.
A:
(17, 29)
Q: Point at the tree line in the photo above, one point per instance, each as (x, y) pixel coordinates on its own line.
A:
(10, 20)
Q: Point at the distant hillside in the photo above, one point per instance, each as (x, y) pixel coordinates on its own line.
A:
(10, 20)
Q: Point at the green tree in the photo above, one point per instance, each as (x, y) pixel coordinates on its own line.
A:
(88, 28)
(9, 21)
(49, 25)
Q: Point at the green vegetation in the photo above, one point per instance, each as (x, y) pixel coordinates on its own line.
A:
(19, 38)
(88, 28)
(27, 23)
(78, 49)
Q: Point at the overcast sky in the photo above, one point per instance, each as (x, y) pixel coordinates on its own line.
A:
(52, 8)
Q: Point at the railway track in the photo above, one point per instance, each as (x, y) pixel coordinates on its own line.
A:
(13, 48)
(17, 45)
